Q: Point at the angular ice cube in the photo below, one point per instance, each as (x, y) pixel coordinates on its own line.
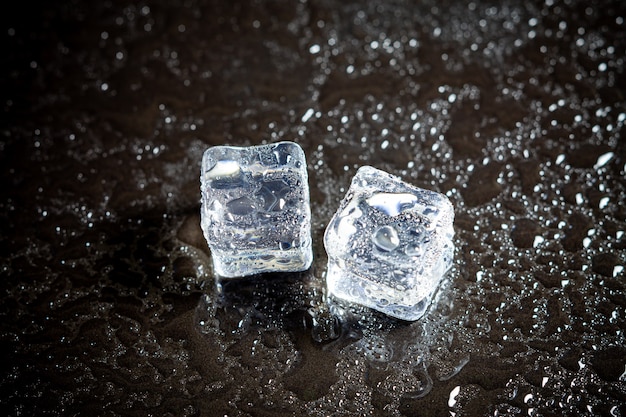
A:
(255, 208)
(389, 244)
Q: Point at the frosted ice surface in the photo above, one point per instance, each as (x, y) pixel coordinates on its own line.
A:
(389, 244)
(255, 208)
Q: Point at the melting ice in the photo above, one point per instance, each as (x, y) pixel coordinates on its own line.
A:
(389, 244)
(255, 208)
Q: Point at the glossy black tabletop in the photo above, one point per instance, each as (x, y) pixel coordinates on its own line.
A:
(108, 302)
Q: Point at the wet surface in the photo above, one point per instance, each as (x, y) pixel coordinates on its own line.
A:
(108, 301)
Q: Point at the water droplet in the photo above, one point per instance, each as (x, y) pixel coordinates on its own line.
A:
(386, 238)
(453, 394)
(603, 160)
(560, 159)
(604, 201)
(579, 198)
(307, 115)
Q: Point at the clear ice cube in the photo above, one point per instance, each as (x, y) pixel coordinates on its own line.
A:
(255, 209)
(389, 244)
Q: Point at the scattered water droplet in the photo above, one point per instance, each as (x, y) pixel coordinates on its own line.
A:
(453, 394)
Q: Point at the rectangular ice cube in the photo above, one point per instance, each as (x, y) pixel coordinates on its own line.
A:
(255, 208)
(389, 244)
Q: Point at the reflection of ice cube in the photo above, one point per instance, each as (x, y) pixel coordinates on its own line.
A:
(389, 244)
(255, 208)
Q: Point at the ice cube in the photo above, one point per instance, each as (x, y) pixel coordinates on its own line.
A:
(389, 244)
(255, 209)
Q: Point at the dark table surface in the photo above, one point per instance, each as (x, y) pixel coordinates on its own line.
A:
(515, 110)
